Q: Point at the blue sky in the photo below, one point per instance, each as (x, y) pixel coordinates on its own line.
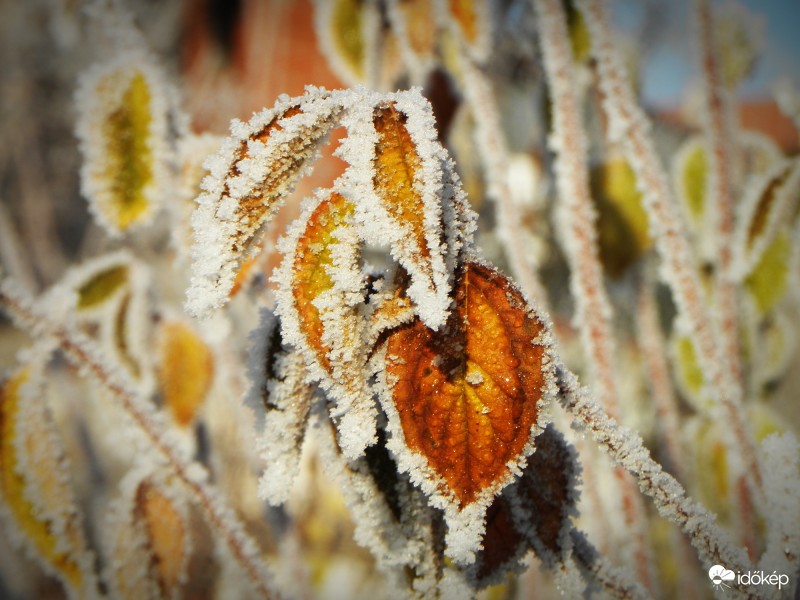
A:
(671, 64)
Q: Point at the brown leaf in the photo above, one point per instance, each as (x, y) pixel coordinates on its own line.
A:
(771, 188)
(467, 396)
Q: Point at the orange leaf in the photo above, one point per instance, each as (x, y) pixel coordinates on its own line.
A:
(311, 269)
(166, 533)
(187, 371)
(396, 165)
(468, 396)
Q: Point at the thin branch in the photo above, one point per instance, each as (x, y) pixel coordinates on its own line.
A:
(493, 152)
(628, 125)
(593, 309)
(626, 448)
(82, 352)
(717, 129)
(595, 567)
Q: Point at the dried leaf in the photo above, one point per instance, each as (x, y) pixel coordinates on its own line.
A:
(123, 132)
(465, 402)
(186, 370)
(34, 486)
(249, 179)
(321, 288)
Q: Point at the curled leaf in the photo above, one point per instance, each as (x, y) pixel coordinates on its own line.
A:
(186, 370)
(321, 289)
(35, 492)
(123, 132)
(409, 185)
(249, 178)
(465, 403)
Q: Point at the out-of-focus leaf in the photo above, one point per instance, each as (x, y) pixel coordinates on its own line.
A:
(186, 371)
(102, 286)
(768, 281)
(622, 226)
(123, 133)
(690, 170)
(34, 486)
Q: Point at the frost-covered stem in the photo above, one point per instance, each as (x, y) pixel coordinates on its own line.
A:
(614, 582)
(593, 310)
(717, 128)
(628, 125)
(651, 345)
(493, 152)
(84, 355)
(626, 449)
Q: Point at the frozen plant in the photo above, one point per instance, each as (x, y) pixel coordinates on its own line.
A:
(239, 392)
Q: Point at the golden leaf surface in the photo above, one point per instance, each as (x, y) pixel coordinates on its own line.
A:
(396, 166)
(313, 260)
(129, 167)
(166, 534)
(186, 371)
(467, 396)
(58, 551)
(102, 286)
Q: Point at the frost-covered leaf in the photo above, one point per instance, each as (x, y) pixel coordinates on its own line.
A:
(690, 173)
(622, 232)
(414, 23)
(532, 513)
(768, 203)
(35, 494)
(249, 178)
(472, 22)
(769, 278)
(185, 370)
(287, 399)
(122, 127)
(100, 281)
(321, 288)
(347, 31)
(688, 373)
(148, 539)
(392, 517)
(465, 403)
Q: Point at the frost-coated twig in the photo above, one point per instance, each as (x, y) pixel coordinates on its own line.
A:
(718, 128)
(615, 582)
(593, 310)
(82, 352)
(628, 125)
(651, 346)
(626, 448)
(493, 152)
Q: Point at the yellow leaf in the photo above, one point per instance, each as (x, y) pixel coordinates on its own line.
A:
(347, 32)
(769, 280)
(691, 174)
(34, 489)
(102, 286)
(186, 371)
(622, 225)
